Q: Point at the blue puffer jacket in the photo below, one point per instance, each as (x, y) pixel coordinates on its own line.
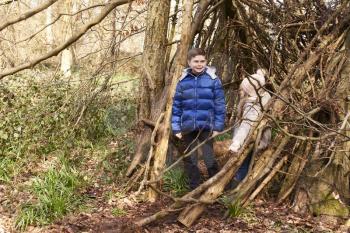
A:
(199, 103)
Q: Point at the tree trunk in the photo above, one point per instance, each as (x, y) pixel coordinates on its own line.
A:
(113, 36)
(294, 170)
(162, 146)
(67, 57)
(152, 99)
(49, 29)
(222, 55)
(171, 36)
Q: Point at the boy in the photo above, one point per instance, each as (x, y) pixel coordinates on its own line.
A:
(198, 112)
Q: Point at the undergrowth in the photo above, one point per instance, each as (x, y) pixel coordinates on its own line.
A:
(55, 135)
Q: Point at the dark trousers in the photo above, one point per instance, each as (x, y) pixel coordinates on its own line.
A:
(191, 141)
(244, 168)
(241, 173)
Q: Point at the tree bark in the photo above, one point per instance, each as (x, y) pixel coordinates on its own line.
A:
(295, 170)
(174, 20)
(162, 147)
(152, 99)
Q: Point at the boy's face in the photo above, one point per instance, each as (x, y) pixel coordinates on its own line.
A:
(197, 64)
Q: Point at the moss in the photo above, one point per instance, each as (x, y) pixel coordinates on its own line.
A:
(330, 207)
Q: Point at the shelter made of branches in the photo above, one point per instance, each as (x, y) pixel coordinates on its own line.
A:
(304, 46)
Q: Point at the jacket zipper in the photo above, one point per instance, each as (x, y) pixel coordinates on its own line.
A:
(195, 96)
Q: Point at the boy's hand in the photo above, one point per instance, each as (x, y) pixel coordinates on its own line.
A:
(215, 133)
(178, 135)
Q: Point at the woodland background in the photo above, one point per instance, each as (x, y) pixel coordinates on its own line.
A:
(86, 90)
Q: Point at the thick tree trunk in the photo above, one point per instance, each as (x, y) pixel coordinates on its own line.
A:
(222, 55)
(162, 146)
(152, 99)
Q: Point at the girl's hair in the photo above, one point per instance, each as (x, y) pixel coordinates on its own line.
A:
(195, 52)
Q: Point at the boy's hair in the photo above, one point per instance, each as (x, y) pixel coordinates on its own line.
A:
(195, 52)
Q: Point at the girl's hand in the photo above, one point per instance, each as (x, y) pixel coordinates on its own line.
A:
(178, 135)
(234, 147)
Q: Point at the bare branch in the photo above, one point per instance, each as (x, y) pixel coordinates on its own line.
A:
(7, 2)
(27, 14)
(56, 19)
(67, 43)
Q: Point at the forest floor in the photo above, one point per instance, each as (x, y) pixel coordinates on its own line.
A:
(260, 217)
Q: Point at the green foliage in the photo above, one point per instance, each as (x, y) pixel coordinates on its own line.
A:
(118, 212)
(223, 137)
(44, 117)
(7, 168)
(234, 208)
(55, 194)
(34, 119)
(117, 118)
(175, 181)
(115, 162)
(330, 206)
(274, 132)
(38, 118)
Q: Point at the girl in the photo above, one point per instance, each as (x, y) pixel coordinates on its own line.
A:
(253, 98)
